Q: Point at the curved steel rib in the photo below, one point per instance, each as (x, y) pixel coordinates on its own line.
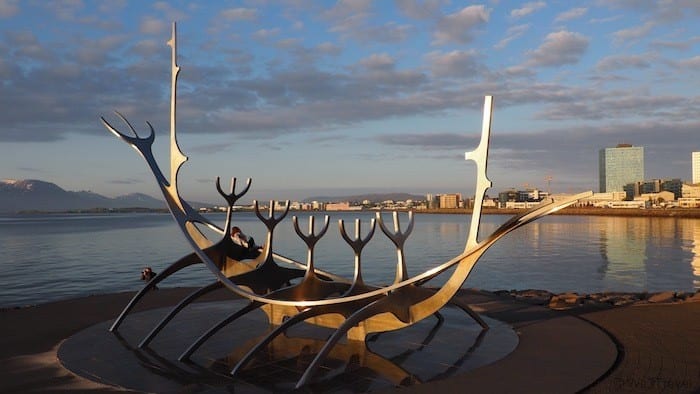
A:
(185, 261)
(185, 356)
(182, 304)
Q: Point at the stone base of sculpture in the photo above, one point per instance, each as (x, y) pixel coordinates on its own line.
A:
(431, 349)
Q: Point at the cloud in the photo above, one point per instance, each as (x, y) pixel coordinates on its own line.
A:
(511, 34)
(659, 11)
(457, 27)
(633, 33)
(618, 104)
(571, 14)
(440, 141)
(560, 48)
(678, 45)
(31, 169)
(153, 26)
(347, 8)
(573, 149)
(168, 12)
(692, 63)
(416, 9)
(210, 149)
(527, 9)
(378, 62)
(265, 34)
(605, 20)
(329, 48)
(8, 8)
(354, 22)
(618, 62)
(147, 48)
(288, 43)
(239, 14)
(388, 33)
(454, 63)
(125, 181)
(518, 71)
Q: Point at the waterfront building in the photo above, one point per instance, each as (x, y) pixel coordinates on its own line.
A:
(690, 191)
(674, 186)
(449, 201)
(531, 195)
(695, 160)
(512, 195)
(338, 206)
(652, 186)
(636, 189)
(506, 196)
(659, 198)
(602, 199)
(488, 203)
(432, 201)
(620, 166)
(521, 204)
(689, 202)
(632, 190)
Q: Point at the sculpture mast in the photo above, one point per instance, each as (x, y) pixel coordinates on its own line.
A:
(177, 158)
(480, 158)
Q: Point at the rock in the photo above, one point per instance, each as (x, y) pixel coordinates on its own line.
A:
(694, 298)
(559, 304)
(537, 297)
(680, 296)
(571, 298)
(666, 296)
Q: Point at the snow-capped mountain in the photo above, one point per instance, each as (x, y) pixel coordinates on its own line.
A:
(36, 195)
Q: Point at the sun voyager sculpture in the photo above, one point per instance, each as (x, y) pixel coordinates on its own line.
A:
(291, 292)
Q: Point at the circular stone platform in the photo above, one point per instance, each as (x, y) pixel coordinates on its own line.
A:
(430, 350)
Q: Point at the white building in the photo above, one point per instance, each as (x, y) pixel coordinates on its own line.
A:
(690, 191)
(695, 159)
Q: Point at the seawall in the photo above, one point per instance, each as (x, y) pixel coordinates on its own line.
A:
(693, 213)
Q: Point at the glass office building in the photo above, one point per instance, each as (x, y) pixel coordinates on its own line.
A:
(619, 166)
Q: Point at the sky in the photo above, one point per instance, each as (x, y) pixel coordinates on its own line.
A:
(315, 98)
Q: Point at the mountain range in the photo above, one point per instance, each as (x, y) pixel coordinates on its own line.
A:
(40, 196)
(35, 195)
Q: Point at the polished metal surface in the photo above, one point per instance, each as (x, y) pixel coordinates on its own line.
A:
(290, 292)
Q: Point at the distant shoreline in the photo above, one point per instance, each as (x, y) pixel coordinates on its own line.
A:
(692, 213)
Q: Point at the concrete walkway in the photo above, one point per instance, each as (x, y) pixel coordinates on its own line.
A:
(557, 352)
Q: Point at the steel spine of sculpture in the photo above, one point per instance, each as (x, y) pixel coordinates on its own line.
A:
(349, 306)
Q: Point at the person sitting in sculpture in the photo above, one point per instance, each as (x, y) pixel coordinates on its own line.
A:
(244, 245)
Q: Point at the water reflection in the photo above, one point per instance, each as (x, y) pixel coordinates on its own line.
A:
(691, 244)
(557, 253)
(623, 248)
(650, 253)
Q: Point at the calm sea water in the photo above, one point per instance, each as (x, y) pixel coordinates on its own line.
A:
(52, 257)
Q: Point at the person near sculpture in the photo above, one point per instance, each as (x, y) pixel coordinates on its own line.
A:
(147, 274)
(250, 249)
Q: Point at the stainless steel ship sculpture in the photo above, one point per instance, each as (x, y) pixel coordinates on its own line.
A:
(349, 306)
